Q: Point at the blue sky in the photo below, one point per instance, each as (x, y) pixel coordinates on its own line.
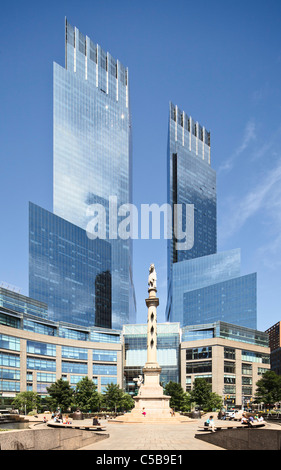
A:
(219, 61)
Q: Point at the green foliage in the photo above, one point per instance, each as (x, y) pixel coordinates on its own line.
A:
(203, 396)
(215, 402)
(60, 395)
(114, 398)
(26, 401)
(268, 389)
(201, 392)
(127, 402)
(179, 399)
(86, 396)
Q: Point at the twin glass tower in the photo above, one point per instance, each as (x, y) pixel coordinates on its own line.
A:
(87, 281)
(203, 286)
(83, 280)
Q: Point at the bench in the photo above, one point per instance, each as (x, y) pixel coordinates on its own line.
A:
(238, 426)
(217, 428)
(76, 426)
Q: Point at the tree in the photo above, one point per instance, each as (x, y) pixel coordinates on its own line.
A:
(26, 401)
(186, 406)
(215, 401)
(268, 389)
(203, 396)
(127, 402)
(201, 392)
(86, 396)
(178, 396)
(60, 395)
(114, 397)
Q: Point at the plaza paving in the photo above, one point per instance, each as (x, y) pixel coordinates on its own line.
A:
(166, 437)
(163, 437)
(152, 437)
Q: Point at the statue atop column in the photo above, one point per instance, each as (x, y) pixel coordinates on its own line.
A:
(152, 278)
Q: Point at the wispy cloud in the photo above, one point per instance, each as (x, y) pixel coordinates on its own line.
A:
(266, 197)
(268, 147)
(270, 252)
(249, 136)
(258, 96)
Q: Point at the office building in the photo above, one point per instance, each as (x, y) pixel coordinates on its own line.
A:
(274, 336)
(92, 166)
(203, 286)
(229, 357)
(14, 301)
(275, 347)
(36, 351)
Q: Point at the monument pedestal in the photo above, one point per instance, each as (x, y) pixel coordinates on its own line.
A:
(153, 402)
(151, 398)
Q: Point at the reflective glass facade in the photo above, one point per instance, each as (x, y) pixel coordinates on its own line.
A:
(206, 270)
(233, 301)
(92, 151)
(69, 271)
(191, 180)
(198, 273)
(110, 356)
(203, 285)
(32, 365)
(22, 304)
(135, 343)
(210, 288)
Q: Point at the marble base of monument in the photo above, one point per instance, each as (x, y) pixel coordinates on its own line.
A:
(151, 405)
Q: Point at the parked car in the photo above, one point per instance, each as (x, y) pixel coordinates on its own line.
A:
(231, 414)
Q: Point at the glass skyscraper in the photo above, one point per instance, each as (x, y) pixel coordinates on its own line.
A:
(69, 270)
(191, 180)
(92, 164)
(203, 286)
(92, 131)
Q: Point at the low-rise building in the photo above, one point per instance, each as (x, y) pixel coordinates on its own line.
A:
(35, 352)
(229, 357)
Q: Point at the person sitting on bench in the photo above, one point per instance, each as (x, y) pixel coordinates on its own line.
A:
(95, 421)
(210, 423)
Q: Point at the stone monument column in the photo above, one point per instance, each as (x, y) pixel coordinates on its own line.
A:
(151, 405)
(152, 303)
(152, 369)
(151, 398)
